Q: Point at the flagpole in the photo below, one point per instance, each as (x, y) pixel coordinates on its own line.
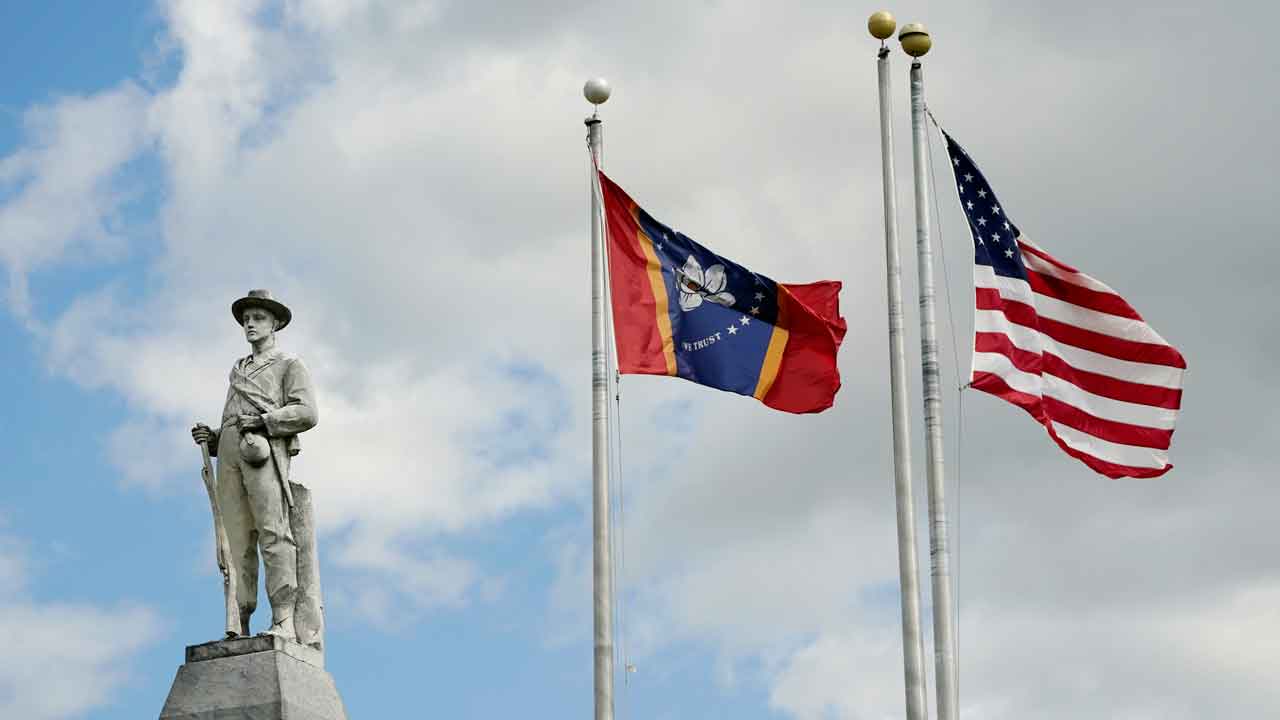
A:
(881, 26)
(916, 42)
(597, 91)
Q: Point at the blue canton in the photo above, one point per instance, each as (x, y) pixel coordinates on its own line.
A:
(994, 234)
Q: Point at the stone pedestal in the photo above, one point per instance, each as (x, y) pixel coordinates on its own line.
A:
(253, 678)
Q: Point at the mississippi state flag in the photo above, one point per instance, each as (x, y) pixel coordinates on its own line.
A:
(681, 310)
(1064, 346)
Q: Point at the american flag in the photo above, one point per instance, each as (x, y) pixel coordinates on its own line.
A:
(1065, 347)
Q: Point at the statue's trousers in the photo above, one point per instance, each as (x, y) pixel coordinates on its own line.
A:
(255, 513)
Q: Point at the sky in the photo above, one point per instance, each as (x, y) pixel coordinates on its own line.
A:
(411, 178)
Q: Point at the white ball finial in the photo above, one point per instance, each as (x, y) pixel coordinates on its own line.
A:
(596, 91)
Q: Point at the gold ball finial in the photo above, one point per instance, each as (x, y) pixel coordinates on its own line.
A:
(881, 24)
(915, 39)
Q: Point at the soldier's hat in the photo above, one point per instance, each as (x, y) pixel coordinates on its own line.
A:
(262, 299)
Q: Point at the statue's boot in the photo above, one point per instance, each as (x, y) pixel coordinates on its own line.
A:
(282, 625)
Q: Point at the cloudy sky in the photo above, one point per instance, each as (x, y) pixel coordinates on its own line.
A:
(411, 178)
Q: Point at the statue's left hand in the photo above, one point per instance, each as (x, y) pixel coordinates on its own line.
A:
(252, 422)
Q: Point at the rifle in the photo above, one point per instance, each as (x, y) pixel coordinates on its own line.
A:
(223, 547)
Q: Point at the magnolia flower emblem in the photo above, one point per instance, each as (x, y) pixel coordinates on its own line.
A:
(695, 285)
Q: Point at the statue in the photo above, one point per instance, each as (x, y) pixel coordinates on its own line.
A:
(257, 507)
(270, 402)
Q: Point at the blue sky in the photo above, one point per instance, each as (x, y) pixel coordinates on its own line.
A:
(410, 178)
(69, 48)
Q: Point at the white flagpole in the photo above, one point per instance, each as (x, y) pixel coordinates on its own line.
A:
(881, 26)
(916, 42)
(597, 91)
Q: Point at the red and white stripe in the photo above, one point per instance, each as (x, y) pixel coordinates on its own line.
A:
(1075, 355)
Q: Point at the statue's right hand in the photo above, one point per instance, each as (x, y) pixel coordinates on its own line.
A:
(201, 433)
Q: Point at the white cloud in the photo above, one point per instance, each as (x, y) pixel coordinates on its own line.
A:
(60, 196)
(390, 586)
(66, 658)
(853, 673)
(62, 658)
(1164, 659)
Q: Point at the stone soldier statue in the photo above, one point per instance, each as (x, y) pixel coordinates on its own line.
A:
(269, 403)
